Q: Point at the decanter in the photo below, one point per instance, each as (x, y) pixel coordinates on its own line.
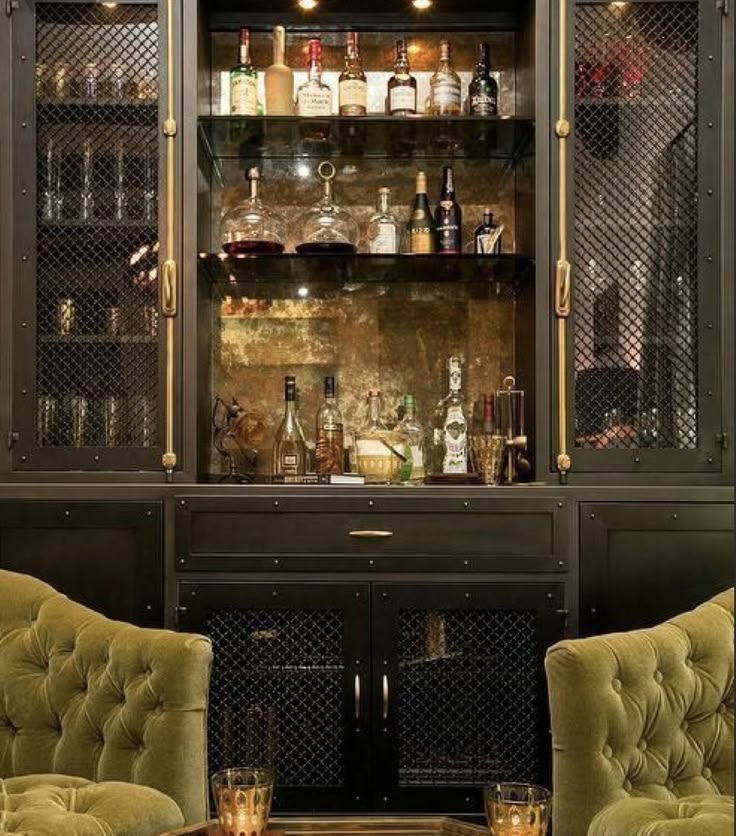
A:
(327, 227)
(253, 227)
(379, 455)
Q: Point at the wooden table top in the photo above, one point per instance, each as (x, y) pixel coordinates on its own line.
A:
(354, 826)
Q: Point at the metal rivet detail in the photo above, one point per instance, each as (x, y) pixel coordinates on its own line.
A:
(274, 594)
(709, 259)
(67, 513)
(182, 502)
(370, 503)
(275, 503)
(24, 458)
(276, 561)
(709, 325)
(637, 459)
(24, 124)
(560, 504)
(371, 562)
(24, 325)
(24, 191)
(560, 562)
(710, 124)
(181, 561)
(96, 458)
(466, 563)
(709, 393)
(591, 516)
(466, 504)
(467, 596)
(710, 192)
(24, 391)
(24, 258)
(710, 459)
(23, 57)
(710, 57)
(357, 595)
(674, 516)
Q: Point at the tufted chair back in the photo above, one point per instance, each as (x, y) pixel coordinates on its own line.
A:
(647, 713)
(85, 696)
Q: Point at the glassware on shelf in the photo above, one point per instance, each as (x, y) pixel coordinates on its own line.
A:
(66, 316)
(61, 81)
(253, 227)
(120, 192)
(516, 809)
(115, 85)
(352, 84)
(648, 429)
(86, 196)
(149, 192)
(378, 454)
(112, 321)
(413, 470)
(150, 321)
(51, 194)
(444, 86)
(384, 232)
(243, 800)
(112, 421)
(327, 227)
(89, 86)
(511, 424)
(289, 446)
(142, 428)
(78, 420)
(45, 421)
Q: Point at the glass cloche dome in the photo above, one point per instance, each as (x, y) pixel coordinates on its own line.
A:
(327, 227)
(253, 226)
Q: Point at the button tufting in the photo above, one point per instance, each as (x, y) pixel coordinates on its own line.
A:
(658, 677)
(627, 785)
(642, 744)
(689, 662)
(617, 686)
(607, 752)
(670, 784)
(721, 709)
(707, 774)
(685, 725)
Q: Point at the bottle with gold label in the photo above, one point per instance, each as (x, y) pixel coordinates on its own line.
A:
(329, 451)
(402, 86)
(444, 86)
(378, 452)
(244, 80)
(352, 84)
(289, 447)
(421, 231)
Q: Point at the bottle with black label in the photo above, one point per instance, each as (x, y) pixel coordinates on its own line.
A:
(289, 447)
(421, 231)
(449, 217)
(483, 90)
(487, 236)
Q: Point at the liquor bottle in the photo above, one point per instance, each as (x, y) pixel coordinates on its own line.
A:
(402, 86)
(279, 79)
(487, 235)
(314, 97)
(454, 428)
(352, 85)
(483, 90)
(289, 446)
(244, 80)
(253, 226)
(488, 415)
(411, 432)
(383, 228)
(444, 86)
(377, 448)
(449, 217)
(421, 231)
(329, 450)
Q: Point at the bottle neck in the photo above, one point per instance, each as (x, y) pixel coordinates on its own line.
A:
(244, 48)
(315, 69)
(445, 55)
(409, 410)
(383, 205)
(483, 67)
(253, 182)
(448, 185)
(279, 45)
(329, 389)
(455, 378)
(488, 219)
(374, 410)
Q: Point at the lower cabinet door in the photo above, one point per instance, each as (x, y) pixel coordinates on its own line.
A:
(459, 695)
(290, 686)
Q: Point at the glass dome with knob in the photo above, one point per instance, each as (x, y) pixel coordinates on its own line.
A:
(253, 227)
(326, 227)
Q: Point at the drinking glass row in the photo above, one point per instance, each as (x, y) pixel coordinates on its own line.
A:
(94, 82)
(68, 322)
(112, 421)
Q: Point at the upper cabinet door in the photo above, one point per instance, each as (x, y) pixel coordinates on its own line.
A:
(90, 98)
(639, 218)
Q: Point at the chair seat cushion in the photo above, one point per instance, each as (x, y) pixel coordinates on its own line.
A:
(60, 805)
(696, 815)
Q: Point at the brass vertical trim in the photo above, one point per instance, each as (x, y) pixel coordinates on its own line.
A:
(168, 269)
(562, 288)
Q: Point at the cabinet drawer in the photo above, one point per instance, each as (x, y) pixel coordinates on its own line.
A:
(294, 532)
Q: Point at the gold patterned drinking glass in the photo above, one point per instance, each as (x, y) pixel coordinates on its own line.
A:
(243, 799)
(518, 809)
(488, 454)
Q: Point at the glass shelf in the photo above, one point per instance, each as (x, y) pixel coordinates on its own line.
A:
(331, 271)
(236, 137)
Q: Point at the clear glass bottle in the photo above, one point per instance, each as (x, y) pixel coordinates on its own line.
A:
(253, 227)
(483, 90)
(445, 97)
(384, 232)
(329, 448)
(450, 426)
(244, 80)
(352, 85)
(402, 86)
(421, 230)
(289, 446)
(411, 432)
(326, 227)
(314, 97)
(279, 79)
(378, 455)
(449, 216)
(86, 196)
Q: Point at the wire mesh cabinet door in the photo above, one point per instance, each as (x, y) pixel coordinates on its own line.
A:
(459, 694)
(290, 686)
(87, 139)
(644, 81)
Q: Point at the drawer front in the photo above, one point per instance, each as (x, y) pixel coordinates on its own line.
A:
(294, 533)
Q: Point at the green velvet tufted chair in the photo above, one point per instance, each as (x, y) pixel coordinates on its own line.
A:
(642, 728)
(102, 724)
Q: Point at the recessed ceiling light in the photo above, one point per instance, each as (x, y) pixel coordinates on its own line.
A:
(422, 5)
(619, 4)
(110, 5)
(307, 5)
(303, 292)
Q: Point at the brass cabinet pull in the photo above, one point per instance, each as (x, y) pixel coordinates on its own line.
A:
(168, 287)
(384, 713)
(370, 534)
(562, 289)
(357, 696)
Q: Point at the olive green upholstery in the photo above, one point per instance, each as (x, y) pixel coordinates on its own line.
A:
(102, 701)
(644, 721)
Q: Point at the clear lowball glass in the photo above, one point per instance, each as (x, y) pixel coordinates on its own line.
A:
(253, 227)
(327, 227)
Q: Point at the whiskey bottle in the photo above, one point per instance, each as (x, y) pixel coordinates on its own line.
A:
(352, 86)
(314, 97)
(483, 90)
(448, 217)
(378, 456)
(454, 424)
(444, 86)
(411, 433)
(487, 235)
(329, 450)
(244, 80)
(383, 228)
(279, 79)
(402, 86)
(289, 447)
(421, 231)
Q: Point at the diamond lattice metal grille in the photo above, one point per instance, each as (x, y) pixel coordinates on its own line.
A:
(469, 697)
(276, 697)
(636, 225)
(97, 222)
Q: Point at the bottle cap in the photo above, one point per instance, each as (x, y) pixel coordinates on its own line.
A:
(409, 401)
(384, 190)
(315, 49)
(400, 47)
(421, 182)
(244, 35)
(253, 173)
(374, 393)
(329, 387)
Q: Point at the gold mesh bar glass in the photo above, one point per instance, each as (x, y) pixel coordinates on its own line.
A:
(518, 809)
(243, 800)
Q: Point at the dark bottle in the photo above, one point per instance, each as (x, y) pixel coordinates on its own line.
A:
(487, 236)
(421, 231)
(402, 86)
(449, 217)
(483, 90)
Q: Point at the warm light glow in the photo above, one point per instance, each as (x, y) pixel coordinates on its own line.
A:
(110, 5)
(413, 49)
(422, 5)
(619, 4)
(303, 170)
(303, 292)
(307, 5)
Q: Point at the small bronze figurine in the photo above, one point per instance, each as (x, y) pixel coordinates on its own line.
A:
(238, 434)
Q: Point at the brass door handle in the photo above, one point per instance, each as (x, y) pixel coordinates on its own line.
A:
(384, 713)
(357, 696)
(370, 534)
